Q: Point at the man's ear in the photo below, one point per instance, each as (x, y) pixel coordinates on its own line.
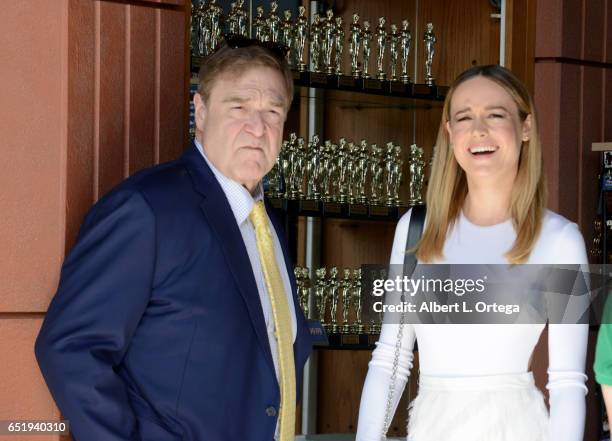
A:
(200, 111)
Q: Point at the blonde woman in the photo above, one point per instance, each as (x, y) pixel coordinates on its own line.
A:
(486, 203)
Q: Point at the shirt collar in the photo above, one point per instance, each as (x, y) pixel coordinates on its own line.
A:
(240, 199)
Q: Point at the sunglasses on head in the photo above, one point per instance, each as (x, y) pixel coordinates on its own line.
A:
(236, 41)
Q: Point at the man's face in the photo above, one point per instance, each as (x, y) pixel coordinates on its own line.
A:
(241, 126)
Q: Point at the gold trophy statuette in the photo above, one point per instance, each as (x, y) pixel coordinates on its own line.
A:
(405, 42)
(321, 294)
(381, 40)
(273, 23)
(430, 40)
(366, 41)
(301, 33)
(346, 288)
(355, 45)
(416, 165)
(333, 286)
(393, 51)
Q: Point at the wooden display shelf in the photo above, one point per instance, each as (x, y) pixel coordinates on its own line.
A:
(371, 86)
(338, 210)
(349, 342)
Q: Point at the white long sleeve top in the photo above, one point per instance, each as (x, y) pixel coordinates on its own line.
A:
(463, 350)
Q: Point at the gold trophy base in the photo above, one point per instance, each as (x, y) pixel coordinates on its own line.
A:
(397, 87)
(358, 209)
(319, 78)
(350, 339)
(379, 210)
(372, 84)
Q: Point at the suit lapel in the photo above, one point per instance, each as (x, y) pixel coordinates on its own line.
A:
(220, 217)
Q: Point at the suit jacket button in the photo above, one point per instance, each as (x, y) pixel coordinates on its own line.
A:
(271, 411)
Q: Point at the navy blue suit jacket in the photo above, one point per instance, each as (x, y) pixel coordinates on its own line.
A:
(156, 331)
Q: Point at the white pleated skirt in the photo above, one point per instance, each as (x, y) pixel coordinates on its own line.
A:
(487, 408)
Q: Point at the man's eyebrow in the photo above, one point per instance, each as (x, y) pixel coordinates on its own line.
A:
(235, 99)
(277, 102)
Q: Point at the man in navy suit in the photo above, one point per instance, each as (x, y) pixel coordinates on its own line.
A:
(162, 327)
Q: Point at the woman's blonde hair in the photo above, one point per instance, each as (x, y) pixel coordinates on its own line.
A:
(447, 186)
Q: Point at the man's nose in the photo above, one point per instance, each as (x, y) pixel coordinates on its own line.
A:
(256, 124)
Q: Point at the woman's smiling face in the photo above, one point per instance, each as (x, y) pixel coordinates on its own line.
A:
(485, 130)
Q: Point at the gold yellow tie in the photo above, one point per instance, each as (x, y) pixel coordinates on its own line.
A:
(282, 320)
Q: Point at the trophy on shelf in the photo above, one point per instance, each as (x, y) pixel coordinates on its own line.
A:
(313, 168)
(284, 168)
(376, 171)
(300, 168)
(339, 44)
(303, 288)
(214, 15)
(316, 43)
(287, 35)
(273, 179)
(355, 45)
(273, 23)
(357, 301)
(362, 171)
(332, 286)
(341, 180)
(321, 294)
(259, 24)
(353, 151)
(430, 40)
(377, 319)
(346, 288)
(195, 28)
(326, 170)
(381, 42)
(393, 174)
(405, 42)
(301, 33)
(242, 18)
(366, 41)
(397, 175)
(291, 161)
(416, 165)
(393, 51)
(390, 170)
(328, 41)
(232, 19)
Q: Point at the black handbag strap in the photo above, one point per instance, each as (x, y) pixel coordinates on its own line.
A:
(415, 231)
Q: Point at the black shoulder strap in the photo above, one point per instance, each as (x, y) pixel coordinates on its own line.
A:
(415, 231)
